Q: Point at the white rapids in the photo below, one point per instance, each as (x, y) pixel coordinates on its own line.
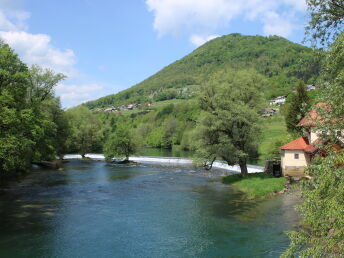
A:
(171, 160)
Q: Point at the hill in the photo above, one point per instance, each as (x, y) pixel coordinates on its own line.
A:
(282, 62)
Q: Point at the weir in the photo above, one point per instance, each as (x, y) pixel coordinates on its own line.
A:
(171, 160)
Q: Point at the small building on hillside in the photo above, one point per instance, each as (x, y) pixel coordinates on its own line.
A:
(298, 154)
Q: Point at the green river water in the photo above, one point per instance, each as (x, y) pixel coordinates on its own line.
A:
(94, 209)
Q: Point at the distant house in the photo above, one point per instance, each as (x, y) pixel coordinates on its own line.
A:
(298, 154)
(270, 112)
(278, 101)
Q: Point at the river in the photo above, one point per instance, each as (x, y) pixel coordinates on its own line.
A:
(94, 209)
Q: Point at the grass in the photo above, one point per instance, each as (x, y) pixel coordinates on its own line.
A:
(273, 128)
(256, 185)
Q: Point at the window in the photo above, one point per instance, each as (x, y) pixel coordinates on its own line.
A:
(296, 156)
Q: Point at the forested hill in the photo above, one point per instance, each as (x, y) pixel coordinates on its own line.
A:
(283, 63)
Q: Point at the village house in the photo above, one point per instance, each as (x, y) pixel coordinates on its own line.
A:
(298, 154)
(280, 100)
(268, 112)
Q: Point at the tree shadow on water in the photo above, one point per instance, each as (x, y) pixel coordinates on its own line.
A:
(224, 202)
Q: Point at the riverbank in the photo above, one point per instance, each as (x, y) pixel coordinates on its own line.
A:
(256, 185)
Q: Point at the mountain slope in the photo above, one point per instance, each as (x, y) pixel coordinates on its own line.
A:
(282, 62)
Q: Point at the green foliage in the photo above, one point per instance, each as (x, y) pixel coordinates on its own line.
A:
(280, 61)
(155, 137)
(42, 83)
(322, 213)
(166, 110)
(274, 147)
(327, 20)
(166, 95)
(274, 132)
(86, 133)
(187, 141)
(333, 88)
(121, 143)
(30, 115)
(61, 129)
(297, 107)
(229, 125)
(15, 142)
(256, 185)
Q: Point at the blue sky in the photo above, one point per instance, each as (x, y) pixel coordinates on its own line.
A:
(106, 46)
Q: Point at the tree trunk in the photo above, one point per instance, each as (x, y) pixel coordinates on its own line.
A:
(243, 167)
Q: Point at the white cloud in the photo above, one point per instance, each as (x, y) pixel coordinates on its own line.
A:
(275, 24)
(13, 20)
(201, 17)
(12, 17)
(32, 48)
(199, 40)
(176, 16)
(299, 5)
(75, 94)
(5, 23)
(37, 49)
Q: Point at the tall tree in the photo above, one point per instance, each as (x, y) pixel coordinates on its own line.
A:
(326, 20)
(60, 132)
(229, 125)
(321, 212)
(86, 132)
(51, 137)
(15, 116)
(297, 107)
(30, 115)
(41, 83)
(120, 143)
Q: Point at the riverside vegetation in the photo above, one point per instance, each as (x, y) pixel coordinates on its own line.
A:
(191, 110)
(33, 127)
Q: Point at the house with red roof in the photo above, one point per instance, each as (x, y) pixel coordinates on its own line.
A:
(298, 154)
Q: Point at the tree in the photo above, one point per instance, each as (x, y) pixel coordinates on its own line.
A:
(16, 118)
(229, 125)
(322, 216)
(86, 132)
(53, 127)
(41, 83)
(120, 143)
(170, 128)
(61, 130)
(297, 107)
(321, 211)
(30, 115)
(326, 20)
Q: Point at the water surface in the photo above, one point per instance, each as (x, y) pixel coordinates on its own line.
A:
(93, 209)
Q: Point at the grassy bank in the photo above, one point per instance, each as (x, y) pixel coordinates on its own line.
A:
(257, 185)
